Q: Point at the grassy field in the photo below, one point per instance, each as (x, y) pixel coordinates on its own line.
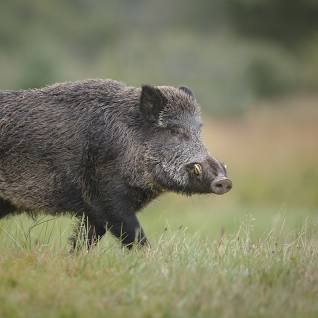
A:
(251, 253)
(245, 273)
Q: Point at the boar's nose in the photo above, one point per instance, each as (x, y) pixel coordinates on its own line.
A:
(221, 185)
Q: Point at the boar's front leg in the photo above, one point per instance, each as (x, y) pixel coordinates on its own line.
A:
(121, 218)
(122, 223)
(127, 229)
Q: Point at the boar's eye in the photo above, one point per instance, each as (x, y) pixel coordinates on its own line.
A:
(175, 131)
(179, 132)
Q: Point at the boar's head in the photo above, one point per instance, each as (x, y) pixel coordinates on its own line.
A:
(175, 155)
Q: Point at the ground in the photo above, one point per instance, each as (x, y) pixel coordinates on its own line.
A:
(254, 269)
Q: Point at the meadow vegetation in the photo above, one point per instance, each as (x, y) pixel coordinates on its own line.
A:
(183, 275)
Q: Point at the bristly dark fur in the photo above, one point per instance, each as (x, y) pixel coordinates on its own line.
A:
(100, 149)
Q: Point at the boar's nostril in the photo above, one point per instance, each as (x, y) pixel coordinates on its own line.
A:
(221, 185)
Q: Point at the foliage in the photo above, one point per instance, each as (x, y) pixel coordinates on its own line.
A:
(225, 50)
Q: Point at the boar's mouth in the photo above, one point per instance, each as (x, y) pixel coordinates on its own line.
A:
(195, 178)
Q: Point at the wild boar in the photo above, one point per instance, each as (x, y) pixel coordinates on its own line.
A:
(102, 150)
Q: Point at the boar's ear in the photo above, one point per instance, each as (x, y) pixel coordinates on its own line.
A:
(187, 90)
(152, 101)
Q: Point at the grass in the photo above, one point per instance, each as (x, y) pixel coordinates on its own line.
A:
(238, 270)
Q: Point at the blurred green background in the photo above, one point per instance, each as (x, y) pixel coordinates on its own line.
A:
(253, 65)
(231, 52)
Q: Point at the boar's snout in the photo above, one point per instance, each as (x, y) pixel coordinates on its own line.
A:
(221, 185)
(208, 176)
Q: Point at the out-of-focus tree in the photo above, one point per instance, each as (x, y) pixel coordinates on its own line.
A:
(290, 22)
(231, 52)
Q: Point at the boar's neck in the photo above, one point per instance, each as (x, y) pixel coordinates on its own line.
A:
(123, 139)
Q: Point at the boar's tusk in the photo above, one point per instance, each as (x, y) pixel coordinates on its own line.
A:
(197, 169)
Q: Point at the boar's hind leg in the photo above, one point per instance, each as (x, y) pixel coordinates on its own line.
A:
(6, 208)
(86, 234)
(99, 217)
